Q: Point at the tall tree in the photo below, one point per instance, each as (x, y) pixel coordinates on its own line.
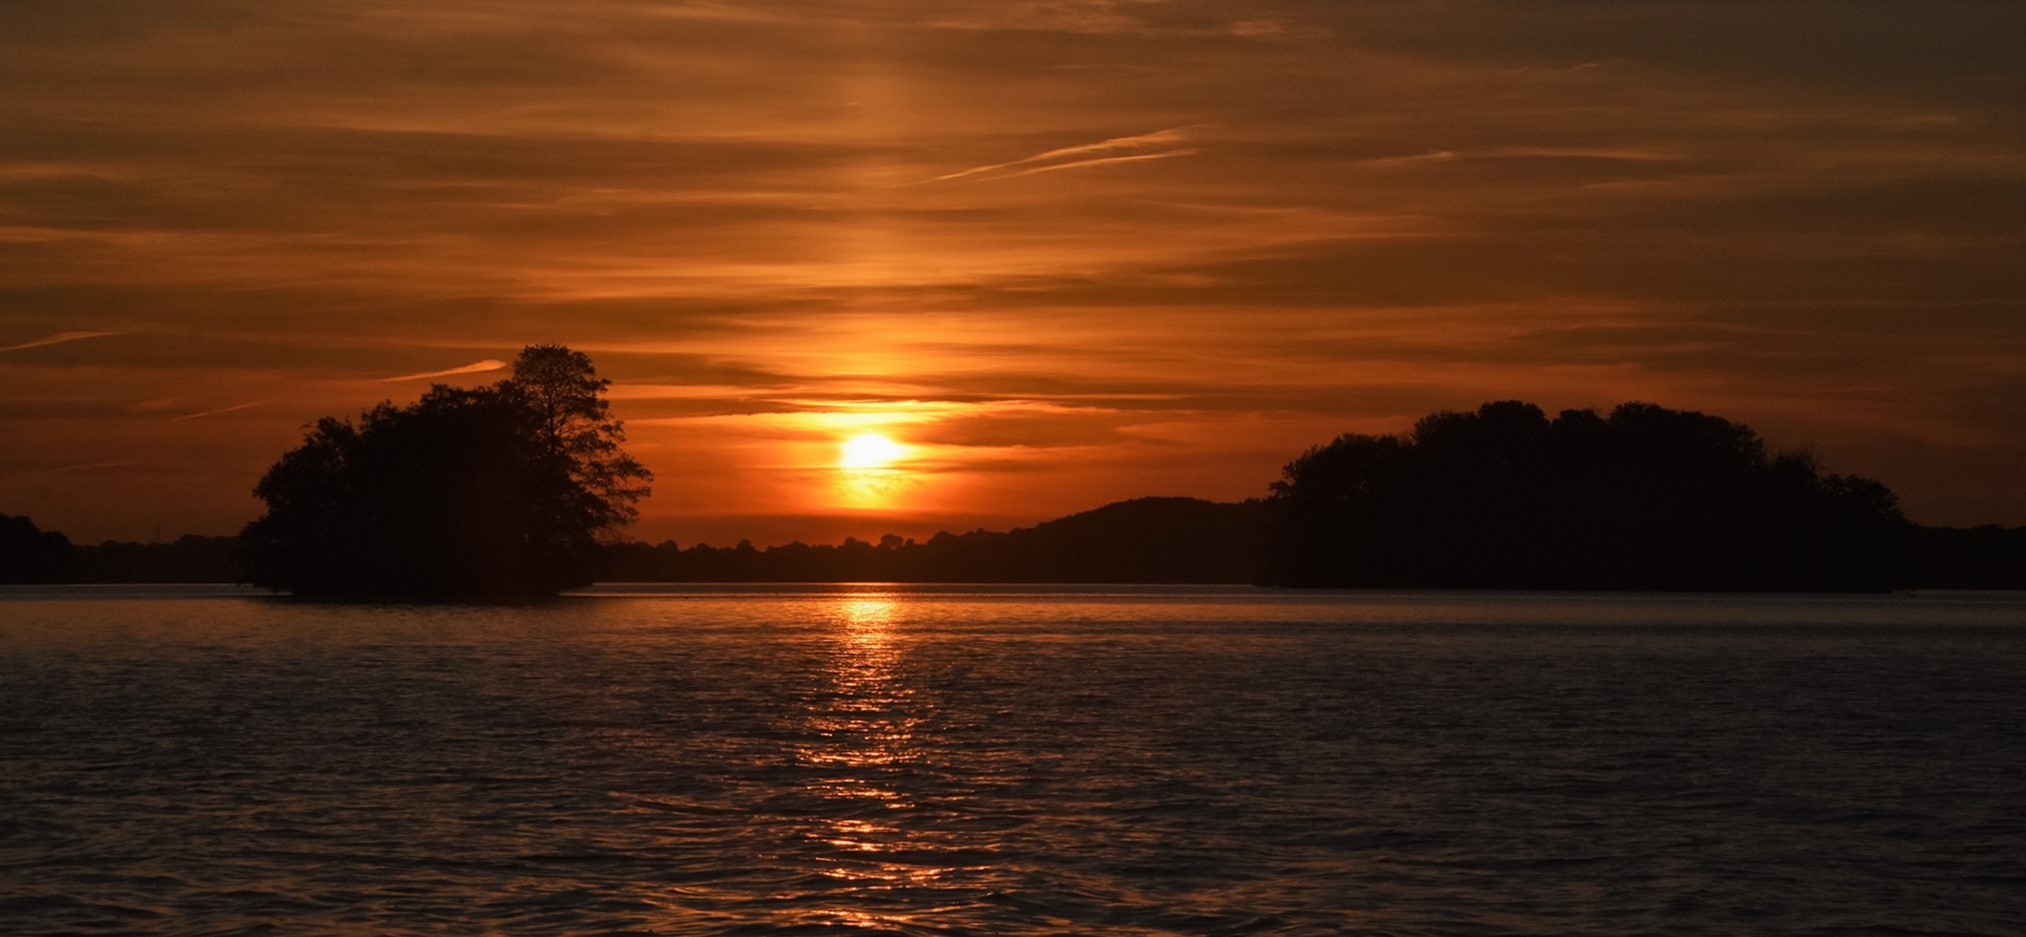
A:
(495, 492)
(565, 391)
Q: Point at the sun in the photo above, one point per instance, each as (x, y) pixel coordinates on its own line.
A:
(870, 451)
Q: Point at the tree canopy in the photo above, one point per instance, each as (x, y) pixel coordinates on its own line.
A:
(1646, 498)
(30, 554)
(496, 492)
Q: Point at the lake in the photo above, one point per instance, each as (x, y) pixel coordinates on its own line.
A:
(1011, 760)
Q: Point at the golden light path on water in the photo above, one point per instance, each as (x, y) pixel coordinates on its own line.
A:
(866, 728)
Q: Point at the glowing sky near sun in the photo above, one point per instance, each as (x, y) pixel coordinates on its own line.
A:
(1062, 253)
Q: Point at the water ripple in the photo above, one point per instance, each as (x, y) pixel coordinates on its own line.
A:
(1004, 761)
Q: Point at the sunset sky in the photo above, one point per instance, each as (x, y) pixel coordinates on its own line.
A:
(1058, 253)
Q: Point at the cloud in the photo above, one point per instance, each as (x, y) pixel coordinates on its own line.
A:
(57, 339)
(230, 409)
(1792, 214)
(103, 466)
(1079, 164)
(1072, 156)
(476, 367)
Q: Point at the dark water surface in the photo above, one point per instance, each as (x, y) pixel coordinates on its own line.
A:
(1014, 761)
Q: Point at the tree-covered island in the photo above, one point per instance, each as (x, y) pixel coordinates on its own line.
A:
(490, 493)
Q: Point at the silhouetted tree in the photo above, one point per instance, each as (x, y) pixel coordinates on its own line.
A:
(491, 492)
(561, 386)
(29, 554)
(1648, 498)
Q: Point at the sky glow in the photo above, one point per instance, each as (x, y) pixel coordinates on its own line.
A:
(1070, 252)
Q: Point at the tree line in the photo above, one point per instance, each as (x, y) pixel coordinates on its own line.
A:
(1644, 498)
(517, 490)
(1144, 540)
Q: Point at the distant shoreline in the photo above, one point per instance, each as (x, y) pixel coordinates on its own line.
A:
(622, 590)
(1977, 559)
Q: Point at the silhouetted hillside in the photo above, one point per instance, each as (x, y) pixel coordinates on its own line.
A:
(1151, 540)
(1178, 540)
(1148, 540)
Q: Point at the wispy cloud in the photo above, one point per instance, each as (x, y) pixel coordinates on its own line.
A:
(1101, 161)
(1246, 226)
(103, 466)
(476, 367)
(230, 409)
(1087, 154)
(57, 339)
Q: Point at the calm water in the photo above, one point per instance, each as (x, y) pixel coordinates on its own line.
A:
(1014, 761)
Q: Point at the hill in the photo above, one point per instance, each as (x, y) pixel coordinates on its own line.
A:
(1147, 540)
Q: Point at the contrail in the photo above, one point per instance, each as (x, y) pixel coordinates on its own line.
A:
(240, 406)
(475, 367)
(1157, 138)
(1135, 158)
(57, 339)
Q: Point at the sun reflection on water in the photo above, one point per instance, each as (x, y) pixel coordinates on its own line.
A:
(868, 618)
(864, 732)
